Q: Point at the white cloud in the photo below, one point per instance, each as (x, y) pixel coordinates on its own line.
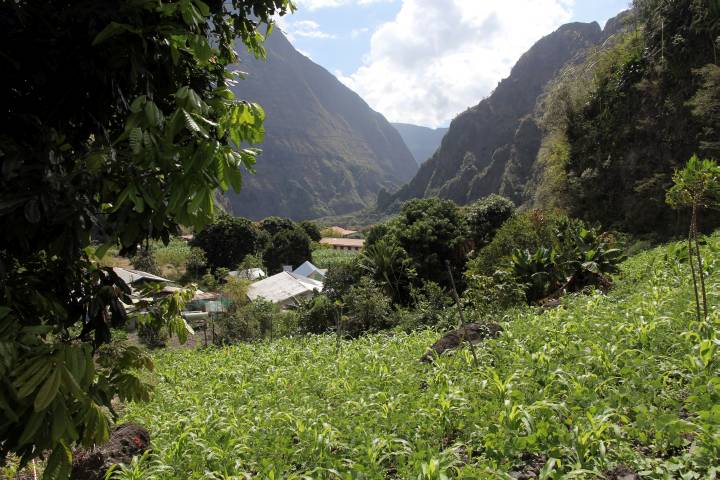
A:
(317, 4)
(438, 57)
(303, 28)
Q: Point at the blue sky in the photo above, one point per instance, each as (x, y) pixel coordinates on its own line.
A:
(424, 61)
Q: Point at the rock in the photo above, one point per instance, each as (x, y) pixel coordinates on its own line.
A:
(125, 442)
(474, 332)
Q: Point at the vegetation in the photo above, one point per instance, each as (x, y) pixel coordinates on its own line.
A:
(696, 186)
(228, 240)
(125, 130)
(625, 382)
(631, 115)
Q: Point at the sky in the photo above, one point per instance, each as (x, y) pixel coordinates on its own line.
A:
(425, 61)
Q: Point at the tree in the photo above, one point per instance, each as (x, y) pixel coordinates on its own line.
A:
(275, 225)
(312, 230)
(228, 240)
(486, 216)
(145, 261)
(431, 230)
(287, 247)
(697, 186)
(118, 122)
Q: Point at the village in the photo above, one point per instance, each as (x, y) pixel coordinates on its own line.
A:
(287, 290)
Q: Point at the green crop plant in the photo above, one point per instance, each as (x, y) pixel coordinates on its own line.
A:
(622, 379)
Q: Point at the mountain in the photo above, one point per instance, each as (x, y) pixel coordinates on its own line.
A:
(326, 152)
(422, 141)
(492, 147)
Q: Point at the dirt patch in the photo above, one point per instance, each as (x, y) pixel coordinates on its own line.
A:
(126, 441)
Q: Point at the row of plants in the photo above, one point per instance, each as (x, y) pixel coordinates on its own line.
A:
(609, 385)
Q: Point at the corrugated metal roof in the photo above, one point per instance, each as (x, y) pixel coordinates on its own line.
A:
(131, 276)
(307, 269)
(282, 287)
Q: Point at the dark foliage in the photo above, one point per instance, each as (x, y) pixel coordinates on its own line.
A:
(287, 247)
(117, 121)
(485, 216)
(637, 127)
(312, 230)
(228, 240)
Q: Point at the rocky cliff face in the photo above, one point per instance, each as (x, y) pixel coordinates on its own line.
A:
(422, 141)
(325, 151)
(491, 148)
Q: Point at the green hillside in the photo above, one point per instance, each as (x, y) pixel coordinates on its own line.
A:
(601, 387)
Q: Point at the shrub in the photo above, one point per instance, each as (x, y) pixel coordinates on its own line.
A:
(341, 278)
(312, 230)
(367, 307)
(430, 306)
(318, 315)
(250, 322)
(196, 263)
(145, 261)
(486, 216)
(228, 240)
(523, 231)
(288, 247)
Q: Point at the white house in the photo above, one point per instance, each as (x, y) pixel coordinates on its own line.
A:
(309, 270)
(284, 289)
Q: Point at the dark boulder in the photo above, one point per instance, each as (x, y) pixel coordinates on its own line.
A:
(125, 442)
(473, 332)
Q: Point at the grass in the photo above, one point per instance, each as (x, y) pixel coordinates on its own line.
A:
(603, 382)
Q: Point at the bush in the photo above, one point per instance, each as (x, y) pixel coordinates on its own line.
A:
(250, 322)
(341, 278)
(196, 263)
(523, 231)
(312, 230)
(550, 256)
(368, 309)
(145, 261)
(288, 247)
(486, 216)
(431, 306)
(318, 315)
(228, 240)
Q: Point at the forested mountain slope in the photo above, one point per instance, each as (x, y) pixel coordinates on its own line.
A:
(491, 147)
(618, 126)
(325, 151)
(422, 141)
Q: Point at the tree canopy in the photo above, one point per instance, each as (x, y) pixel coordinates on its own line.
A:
(118, 124)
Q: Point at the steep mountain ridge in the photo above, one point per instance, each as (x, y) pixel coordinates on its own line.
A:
(422, 141)
(325, 151)
(491, 148)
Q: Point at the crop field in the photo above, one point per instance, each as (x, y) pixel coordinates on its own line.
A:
(602, 387)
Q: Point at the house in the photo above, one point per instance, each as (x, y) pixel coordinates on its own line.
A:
(136, 277)
(284, 289)
(351, 244)
(249, 274)
(309, 270)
